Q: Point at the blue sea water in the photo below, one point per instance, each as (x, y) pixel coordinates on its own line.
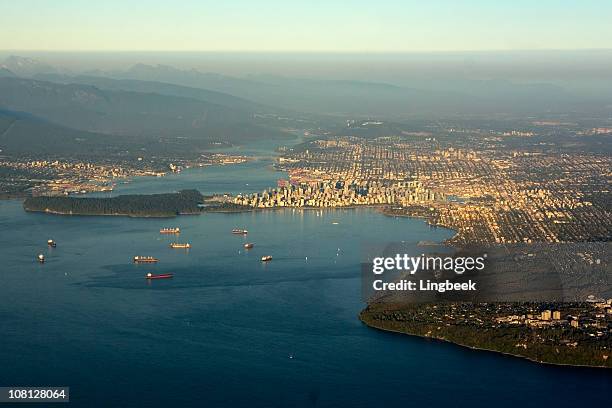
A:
(227, 330)
(252, 176)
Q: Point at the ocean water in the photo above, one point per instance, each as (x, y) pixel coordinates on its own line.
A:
(227, 330)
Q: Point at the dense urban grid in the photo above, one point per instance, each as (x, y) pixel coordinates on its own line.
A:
(485, 191)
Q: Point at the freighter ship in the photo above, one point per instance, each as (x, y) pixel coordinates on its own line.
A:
(239, 231)
(177, 245)
(145, 259)
(159, 276)
(176, 230)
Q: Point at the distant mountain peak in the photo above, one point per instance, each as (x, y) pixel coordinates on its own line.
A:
(25, 66)
(5, 72)
(16, 59)
(139, 67)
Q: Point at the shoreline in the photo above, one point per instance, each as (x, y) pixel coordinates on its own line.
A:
(502, 353)
(427, 219)
(102, 215)
(246, 209)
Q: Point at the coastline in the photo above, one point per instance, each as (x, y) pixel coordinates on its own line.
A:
(103, 215)
(370, 324)
(427, 218)
(244, 209)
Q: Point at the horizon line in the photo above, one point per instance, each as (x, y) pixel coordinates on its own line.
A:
(346, 52)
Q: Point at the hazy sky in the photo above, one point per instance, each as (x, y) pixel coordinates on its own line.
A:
(309, 25)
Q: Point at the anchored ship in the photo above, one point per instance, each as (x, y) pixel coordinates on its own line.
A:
(177, 245)
(176, 230)
(239, 231)
(159, 276)
(266, 258)
(145, 259)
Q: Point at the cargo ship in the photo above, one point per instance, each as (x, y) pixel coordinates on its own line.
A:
(239, 231)
(41, 258)
(145, 259)
(159, 276)
(176, 230)
(177, 245)
(266, 258)
(51, 243)
(249, 245)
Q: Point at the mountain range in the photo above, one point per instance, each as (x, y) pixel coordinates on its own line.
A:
(161, 101)
(58, 112)
(25, 134)
(433, 98)
(353, 97)
(89, 108)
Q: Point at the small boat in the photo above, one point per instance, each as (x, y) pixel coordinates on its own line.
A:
(249, 245)
(145, 259)
(159, 276)
(41, 258)
(239, 231)
(180, 246)
(266, 258)
(170, 230)
(51, 243)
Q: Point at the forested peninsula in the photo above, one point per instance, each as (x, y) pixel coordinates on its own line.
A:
(134, 205)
